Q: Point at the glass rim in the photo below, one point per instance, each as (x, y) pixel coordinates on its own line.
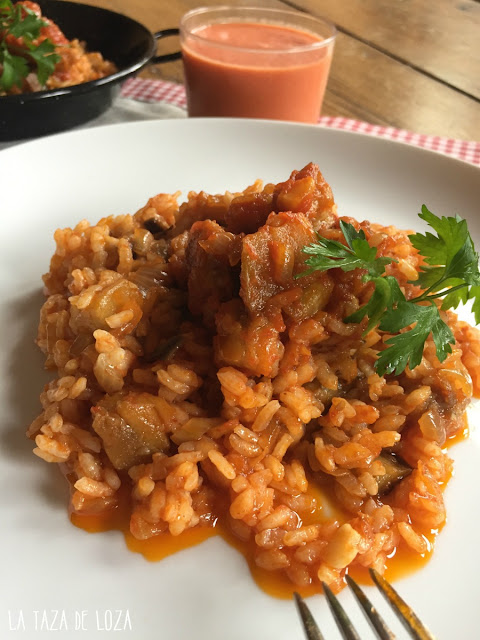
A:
(313, 46)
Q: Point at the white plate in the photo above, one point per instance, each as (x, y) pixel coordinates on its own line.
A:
(204, 593)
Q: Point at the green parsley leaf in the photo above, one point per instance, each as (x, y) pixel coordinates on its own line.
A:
(474, 294)
(386, 294)
(450, 272)
(45, 58)
(15, 69)
(407, 348)
(457, 296)
(20, 58)
(451, 254)
(357, 255)
(25, 23)
(6, 7)
(452, 234)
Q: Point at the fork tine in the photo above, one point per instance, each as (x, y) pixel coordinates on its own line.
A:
(375, 619)
(343, 621)
(409, 619)
(311, 629)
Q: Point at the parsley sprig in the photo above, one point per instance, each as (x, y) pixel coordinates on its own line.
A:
(450, 272)
(18, 60)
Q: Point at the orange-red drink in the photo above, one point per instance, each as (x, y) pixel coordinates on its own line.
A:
(256, 63)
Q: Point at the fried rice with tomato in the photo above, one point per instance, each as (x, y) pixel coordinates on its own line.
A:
(195, 372)
(76, 65)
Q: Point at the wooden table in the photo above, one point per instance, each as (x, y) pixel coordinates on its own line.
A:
(410, 64)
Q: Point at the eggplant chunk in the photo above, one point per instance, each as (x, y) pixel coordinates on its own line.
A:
(132, 427)
(395, 470)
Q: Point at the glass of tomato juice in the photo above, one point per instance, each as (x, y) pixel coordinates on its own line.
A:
(249, 62)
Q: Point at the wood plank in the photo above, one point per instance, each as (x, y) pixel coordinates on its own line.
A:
(440, 37)
(365, 84)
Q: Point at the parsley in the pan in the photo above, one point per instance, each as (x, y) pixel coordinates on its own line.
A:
(450, 272)
(20, 51)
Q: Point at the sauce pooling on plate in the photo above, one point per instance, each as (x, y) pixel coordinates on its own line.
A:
(401, 562)
(246, 69)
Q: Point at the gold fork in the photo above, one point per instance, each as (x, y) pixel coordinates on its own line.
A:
(410, 620)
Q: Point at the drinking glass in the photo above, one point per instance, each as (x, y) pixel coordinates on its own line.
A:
(251, 62)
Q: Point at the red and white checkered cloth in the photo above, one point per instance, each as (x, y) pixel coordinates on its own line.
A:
(174, 94)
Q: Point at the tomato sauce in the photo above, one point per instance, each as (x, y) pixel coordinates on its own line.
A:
(402, 561)
(255, 70)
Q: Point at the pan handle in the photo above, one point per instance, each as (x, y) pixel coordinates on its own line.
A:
(166, 57)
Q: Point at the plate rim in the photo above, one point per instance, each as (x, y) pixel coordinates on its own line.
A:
(246, 122)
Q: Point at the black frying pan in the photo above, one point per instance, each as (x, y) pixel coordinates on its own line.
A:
(119, 39)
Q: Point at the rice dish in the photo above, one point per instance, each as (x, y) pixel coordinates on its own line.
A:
(195, 372)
